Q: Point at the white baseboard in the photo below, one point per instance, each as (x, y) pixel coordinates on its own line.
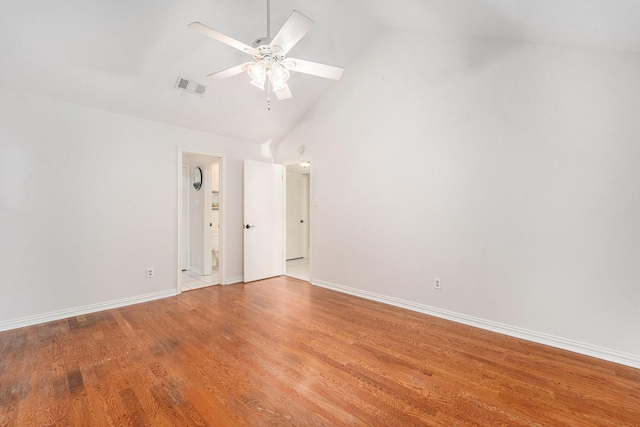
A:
(233, 280)
(550, 340)
(196, 270)
(78, 311)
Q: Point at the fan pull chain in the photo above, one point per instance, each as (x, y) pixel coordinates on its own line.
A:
(268, 96)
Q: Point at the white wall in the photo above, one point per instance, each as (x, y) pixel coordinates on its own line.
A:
(508, 170)
(88, 201)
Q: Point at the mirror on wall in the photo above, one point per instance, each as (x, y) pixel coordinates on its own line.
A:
(197, 178)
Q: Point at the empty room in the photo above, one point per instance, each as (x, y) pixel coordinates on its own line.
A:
(294, 212)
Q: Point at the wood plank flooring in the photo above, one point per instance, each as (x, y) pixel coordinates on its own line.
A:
(283, 352)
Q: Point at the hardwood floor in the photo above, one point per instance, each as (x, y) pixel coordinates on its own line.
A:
(283, 352)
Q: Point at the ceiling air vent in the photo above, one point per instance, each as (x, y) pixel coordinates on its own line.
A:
(190, 86)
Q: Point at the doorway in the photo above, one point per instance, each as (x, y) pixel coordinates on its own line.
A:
(201, 221)
(297, 214)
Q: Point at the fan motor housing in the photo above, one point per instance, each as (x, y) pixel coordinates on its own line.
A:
(265, 50)
(261, 41)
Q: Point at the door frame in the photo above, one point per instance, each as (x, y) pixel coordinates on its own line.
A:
(311, 212)
(222, 210)
(186, 224)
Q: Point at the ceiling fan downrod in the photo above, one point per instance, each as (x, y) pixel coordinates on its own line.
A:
(269, 20)
(268, 41)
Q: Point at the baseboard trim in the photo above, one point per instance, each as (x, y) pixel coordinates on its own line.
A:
(234, 280)
(196, 270)
(537, 337)
(87, 309)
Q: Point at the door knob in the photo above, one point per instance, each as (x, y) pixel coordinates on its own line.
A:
(249, 226)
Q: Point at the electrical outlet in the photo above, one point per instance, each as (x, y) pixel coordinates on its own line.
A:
(149, 272)
(436, 283)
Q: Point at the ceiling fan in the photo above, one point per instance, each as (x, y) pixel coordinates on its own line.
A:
(271, 65)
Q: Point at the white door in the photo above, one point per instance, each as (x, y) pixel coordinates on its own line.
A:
(295, 216)
(262, 214)
(306, 198)
(185, 218)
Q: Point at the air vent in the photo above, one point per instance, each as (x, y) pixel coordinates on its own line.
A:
(183, 84)
(190, 86)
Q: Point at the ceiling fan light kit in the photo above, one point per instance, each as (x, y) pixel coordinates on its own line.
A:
(271, 67)
(278, 76)
(258, 74)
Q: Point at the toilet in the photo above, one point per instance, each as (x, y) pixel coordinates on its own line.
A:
(215, 250)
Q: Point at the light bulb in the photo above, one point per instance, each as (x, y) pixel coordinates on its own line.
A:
(258, 74)
(278, 76)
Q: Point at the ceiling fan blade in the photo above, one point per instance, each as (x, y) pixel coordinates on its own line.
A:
(292, 31)
(230, 72)
(314, 68)
(284, 93)
(201, 28)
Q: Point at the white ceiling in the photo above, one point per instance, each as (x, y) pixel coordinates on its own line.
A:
(125, 55)
(594, 24)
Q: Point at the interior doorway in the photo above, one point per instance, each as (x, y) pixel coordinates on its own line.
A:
(298, 220)
(201, 221)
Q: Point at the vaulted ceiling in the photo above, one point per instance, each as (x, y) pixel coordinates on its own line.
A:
(125, 56)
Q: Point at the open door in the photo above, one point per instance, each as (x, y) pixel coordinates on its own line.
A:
(296, 217)
(184, 256)
(263, 218)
